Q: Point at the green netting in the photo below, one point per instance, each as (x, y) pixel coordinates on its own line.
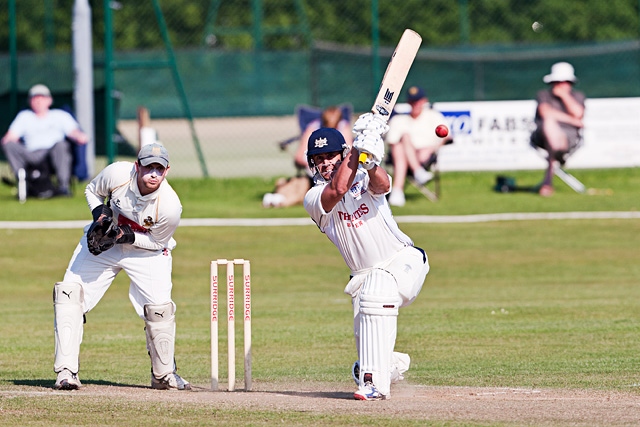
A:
(604, 70)
(223, 84)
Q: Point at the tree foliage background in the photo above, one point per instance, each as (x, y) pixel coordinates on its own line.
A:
(228, 24)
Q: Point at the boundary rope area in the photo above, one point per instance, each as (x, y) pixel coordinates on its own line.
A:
(285, 222)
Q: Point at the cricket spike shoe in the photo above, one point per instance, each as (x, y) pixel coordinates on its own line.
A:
(171, 381)
(67, 380)
(368, 391)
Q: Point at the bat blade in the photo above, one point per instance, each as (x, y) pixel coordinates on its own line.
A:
(396, 72)
(395, 75)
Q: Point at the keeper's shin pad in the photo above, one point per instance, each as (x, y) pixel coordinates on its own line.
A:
(68, 315)
(379, 302)
(160, 327)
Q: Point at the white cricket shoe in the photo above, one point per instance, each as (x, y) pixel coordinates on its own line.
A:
(396, 197)
(422, 176)
(67, 380)
(368, 392)
(267, 200)
(273, 200)
(171, 381)
(277, 200)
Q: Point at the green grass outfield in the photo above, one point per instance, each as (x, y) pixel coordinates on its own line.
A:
(529, 303)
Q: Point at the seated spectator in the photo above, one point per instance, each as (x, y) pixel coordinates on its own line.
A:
(412, 141)
(558, 119)
(40, 133)
(291, 191)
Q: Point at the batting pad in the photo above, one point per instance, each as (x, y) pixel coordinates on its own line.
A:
(379, 301)
(67, 307)
(160, 328)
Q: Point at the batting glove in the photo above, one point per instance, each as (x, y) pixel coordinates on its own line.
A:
(372, 144)
(373, 123)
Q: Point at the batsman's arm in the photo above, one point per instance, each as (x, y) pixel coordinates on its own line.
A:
(379, 180)
(335, 190)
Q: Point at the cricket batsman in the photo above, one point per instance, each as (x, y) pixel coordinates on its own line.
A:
(348, 204)
(135, 214)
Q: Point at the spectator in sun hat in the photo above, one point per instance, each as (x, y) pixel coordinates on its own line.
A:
(558, 119)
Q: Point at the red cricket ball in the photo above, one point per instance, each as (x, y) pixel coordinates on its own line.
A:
(442, 131)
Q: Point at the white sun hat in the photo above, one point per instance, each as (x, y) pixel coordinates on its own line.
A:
(561, 72)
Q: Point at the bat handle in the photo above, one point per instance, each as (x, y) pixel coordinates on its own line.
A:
(363, 157)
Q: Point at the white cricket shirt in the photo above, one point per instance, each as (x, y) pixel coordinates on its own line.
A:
(360, 225)
(154, 217)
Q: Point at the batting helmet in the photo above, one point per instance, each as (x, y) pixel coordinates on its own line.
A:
(325, 140)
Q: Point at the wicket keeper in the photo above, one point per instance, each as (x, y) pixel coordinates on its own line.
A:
(135, 214)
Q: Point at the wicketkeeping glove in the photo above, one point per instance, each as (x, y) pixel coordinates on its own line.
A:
(102, 233)
(369, 122)
(125, 234)
(372, 144)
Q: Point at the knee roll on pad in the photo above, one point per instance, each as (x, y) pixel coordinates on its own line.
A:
(379, 306)
(159, 312)
(160, 328)
(379, 294)
(68, 298)
(68, 293)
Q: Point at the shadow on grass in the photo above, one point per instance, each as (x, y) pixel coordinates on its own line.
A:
(305, 394)
(316, 394)
(49, 382)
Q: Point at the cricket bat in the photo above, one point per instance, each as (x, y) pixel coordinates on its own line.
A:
(394, 76)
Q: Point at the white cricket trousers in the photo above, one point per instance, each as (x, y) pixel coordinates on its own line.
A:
(409, 281)
(149, 273)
